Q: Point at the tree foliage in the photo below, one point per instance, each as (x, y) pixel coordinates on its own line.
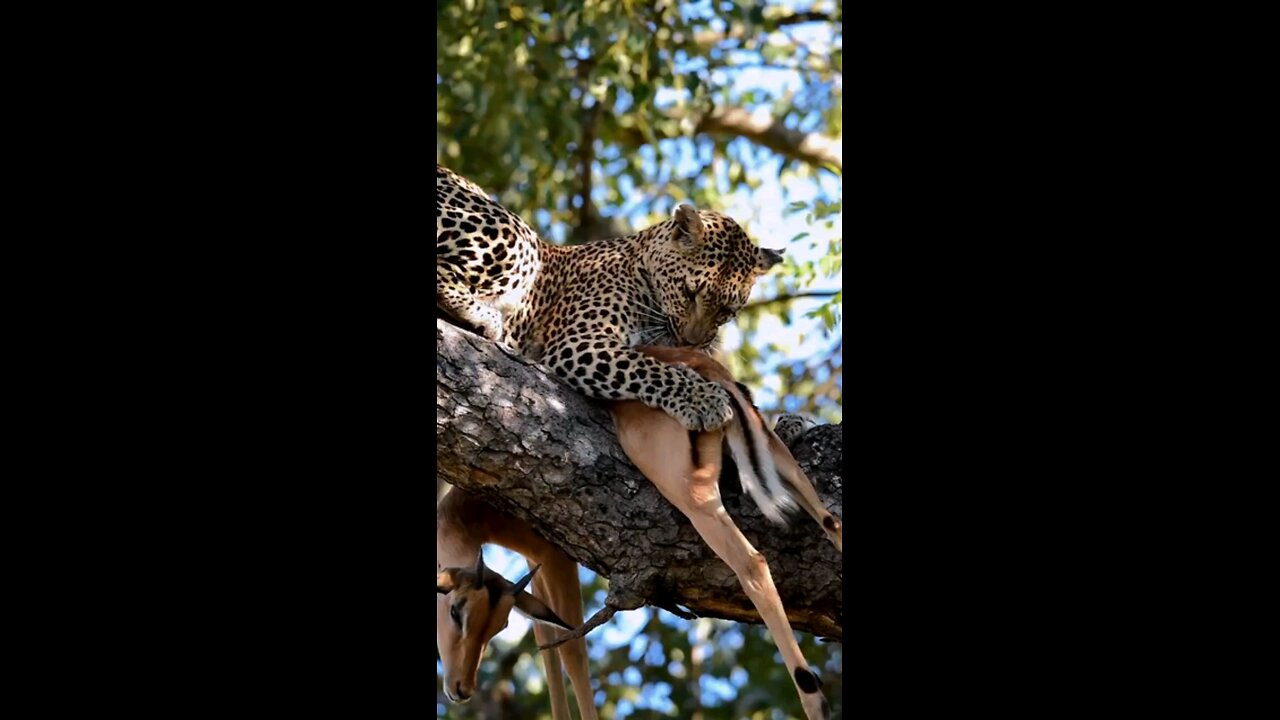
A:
(591, 118)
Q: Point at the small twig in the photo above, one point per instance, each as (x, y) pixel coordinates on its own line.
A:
(620, 598)
(599, 618)
(803, 17)
(789, 298)
(681, 612)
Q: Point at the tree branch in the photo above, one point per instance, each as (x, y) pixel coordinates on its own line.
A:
(587, 213)
(591, 224)
(600, 617)
(803, 17)
(761, 128)
(737, 31)
(531, 446)
(774, 66)
(788, 298)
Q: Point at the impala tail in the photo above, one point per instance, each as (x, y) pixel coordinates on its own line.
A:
(770, 474)
(749, 443)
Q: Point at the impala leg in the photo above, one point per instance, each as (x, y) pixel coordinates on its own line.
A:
(694, 490)
(723, 537)
(564, 595)
(550, 658)
(790, 472)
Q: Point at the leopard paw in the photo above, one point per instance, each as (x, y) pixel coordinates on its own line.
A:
(703, 405)
(488, 321)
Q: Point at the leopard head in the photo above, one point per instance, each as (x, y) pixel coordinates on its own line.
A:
(702, 267)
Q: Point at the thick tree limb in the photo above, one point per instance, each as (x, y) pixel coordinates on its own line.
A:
(530, 445)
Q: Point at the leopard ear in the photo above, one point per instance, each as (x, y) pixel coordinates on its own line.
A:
(690, 231)
(767, 258)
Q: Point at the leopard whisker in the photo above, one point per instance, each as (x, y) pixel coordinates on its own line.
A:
(649, 311)
(651, 316)
(653, 308)
(655, 335)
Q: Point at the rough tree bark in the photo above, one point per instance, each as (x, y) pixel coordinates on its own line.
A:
(530, 445)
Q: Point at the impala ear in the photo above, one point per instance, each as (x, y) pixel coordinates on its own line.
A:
(444, 583)
(690, 231)
(767, 258)
(534, 609)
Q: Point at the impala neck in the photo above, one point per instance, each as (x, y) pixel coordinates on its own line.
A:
(465, 523)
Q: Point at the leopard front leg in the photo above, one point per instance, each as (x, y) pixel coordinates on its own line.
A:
(454, 294)
(606, 370)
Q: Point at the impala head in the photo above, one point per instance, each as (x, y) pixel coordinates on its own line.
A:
(472, 605)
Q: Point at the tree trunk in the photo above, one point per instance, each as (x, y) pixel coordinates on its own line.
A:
(513, 434)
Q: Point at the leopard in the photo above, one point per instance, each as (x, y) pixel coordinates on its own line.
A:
(580, 310)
